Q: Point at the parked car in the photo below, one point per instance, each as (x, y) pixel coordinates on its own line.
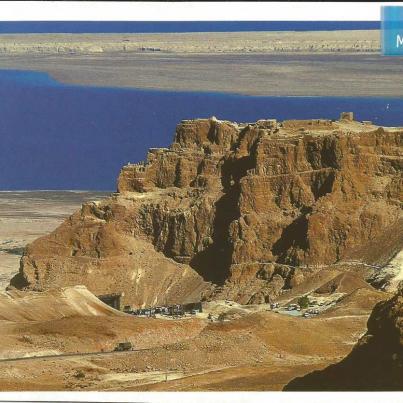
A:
(124, 346)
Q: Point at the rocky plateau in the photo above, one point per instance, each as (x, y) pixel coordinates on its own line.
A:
(244, 212)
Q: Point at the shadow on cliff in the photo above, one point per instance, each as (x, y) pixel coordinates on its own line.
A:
(368, 368)
(19, 281)
(293, 238)
(375, 363)
(214, 262)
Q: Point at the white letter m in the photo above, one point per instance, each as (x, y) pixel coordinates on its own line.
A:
(399, 40)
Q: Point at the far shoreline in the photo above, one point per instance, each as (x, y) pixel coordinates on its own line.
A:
(283, 63)
(55, 82)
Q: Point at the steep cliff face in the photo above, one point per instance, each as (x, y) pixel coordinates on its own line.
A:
(251, 208)
(376, 362)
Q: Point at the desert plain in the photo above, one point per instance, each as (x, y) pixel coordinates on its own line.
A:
(25, 216)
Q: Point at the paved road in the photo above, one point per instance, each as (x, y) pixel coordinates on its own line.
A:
(60, 356)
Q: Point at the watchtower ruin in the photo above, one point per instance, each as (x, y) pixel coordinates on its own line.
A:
(347, 116)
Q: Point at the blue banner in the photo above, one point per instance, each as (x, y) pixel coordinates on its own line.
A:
(392, 30)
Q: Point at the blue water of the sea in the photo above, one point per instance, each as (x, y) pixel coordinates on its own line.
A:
(55, 136)
(178, 26)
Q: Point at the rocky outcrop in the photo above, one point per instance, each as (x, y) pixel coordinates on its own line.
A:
(244, 209)
(376, 362)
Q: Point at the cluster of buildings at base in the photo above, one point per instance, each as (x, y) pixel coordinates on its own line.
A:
(175, 310)
(309, 312)
(114, 301)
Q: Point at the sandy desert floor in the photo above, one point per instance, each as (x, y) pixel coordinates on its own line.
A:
(25, 216)
(260, 350)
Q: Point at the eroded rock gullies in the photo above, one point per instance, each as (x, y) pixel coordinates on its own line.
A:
(238, 211)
